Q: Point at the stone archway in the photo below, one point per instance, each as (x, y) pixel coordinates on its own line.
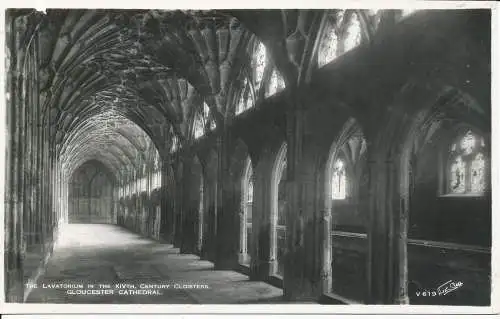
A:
(91, 194)
(278, 211)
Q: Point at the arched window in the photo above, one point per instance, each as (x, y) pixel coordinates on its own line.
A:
(206, 115)
(347, 206)
(339, 180)
(199, 127)
(259, 63)
(342, 33)
(276, 83)
(175, 141)
(156, 172)
(254, 80)
(157, 180)
(352, 33)
(201, 120)
(250, 191)
(175, 144)
(467, 165)
(246, 99)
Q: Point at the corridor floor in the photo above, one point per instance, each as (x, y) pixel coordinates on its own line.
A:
(100, 254)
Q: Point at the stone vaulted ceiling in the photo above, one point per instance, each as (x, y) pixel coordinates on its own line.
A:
(154, 68)
(151, 69)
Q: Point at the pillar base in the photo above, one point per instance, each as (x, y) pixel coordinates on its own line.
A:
(244, 259)
(260, 270)
(14, 286)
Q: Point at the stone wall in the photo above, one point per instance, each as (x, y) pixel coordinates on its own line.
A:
(91, 197)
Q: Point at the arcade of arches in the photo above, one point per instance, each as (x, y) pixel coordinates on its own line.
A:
(339, 156)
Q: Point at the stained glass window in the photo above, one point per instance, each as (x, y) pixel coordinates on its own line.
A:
(259, 63)
(328, 51)
(457, 176)
(477, 174)
(206, 110)
(240, 107)
(249, 101)
(206, 115)
(175, 144)
(157, 180)
(199, 127)
(468, 165)
(250, 190)
(246, 99)
(276, 83)
(339, 180)
(201, 120)
(468, 142)
(342, 33)
(353, 33)
(156, 160)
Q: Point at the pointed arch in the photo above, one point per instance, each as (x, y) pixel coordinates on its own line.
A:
(346, 197)
(278, 211)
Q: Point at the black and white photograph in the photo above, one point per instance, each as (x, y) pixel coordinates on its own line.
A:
(280, 157)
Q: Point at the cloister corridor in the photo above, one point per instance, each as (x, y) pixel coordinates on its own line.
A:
(331, 157)
(103, 253)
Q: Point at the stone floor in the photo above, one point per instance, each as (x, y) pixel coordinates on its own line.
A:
(101, 254)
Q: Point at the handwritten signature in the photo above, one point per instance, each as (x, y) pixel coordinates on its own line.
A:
(442, 290)
(449, 286)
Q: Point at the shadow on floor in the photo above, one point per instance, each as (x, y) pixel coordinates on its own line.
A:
(101, 257)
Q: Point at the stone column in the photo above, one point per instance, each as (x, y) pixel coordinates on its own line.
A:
(28, 146)
(260, 248)
(51, 200)
(326, 252)
(243, 253)
(387, 234)
(303, 257)
(166, 229)
(186, 245)
(178, 205)
(40, 185)
(228, 206)
(14, 289)
(46, 211)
